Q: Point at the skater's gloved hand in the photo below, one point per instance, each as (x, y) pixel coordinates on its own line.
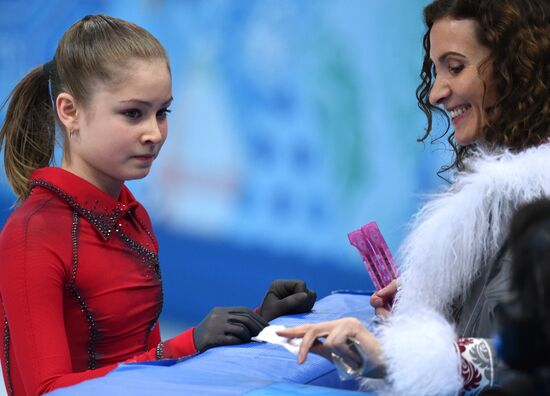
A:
(286, 297)
(227, 326)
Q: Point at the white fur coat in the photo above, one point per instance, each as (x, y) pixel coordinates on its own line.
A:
(449, 239)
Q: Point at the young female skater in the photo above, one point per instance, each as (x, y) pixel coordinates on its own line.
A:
(486, 69)
(80, 284)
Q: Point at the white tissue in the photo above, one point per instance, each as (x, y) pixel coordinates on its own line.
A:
(268, 334)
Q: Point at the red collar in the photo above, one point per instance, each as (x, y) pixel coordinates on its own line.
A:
(101, 210)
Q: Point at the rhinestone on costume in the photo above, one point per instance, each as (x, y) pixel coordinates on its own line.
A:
(94, 334)
(9, 385)
(106, 223)
(151, 261)
(160, 351)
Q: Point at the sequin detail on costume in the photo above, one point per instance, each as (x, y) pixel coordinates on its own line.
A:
(151, 261)
(149, 258)
(105, 223)
(9, 385)
(92, 328)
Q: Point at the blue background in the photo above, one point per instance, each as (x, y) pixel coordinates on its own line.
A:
(294, 122)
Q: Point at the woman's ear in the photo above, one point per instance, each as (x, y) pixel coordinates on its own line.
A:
(67, 111)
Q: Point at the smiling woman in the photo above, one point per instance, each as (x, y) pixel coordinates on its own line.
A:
(463, 83)
(506, 54)
(485, 69)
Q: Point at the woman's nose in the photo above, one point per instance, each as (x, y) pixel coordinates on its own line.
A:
(153, 134)
(440, 91)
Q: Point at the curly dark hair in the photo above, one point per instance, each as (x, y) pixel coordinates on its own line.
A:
(517, 32)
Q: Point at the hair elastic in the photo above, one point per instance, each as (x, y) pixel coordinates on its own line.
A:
(49, 68)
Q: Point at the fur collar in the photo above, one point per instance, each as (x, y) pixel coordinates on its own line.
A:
(452, 237)
(457, 230)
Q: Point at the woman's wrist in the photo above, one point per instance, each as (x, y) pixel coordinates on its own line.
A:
(367, 348)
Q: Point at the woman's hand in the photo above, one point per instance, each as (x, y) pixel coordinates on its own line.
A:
(382, 300)
(337, 334)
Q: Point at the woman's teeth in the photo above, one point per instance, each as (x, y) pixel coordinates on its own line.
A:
(458, 111)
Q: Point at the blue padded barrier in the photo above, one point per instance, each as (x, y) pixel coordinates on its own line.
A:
(254, 368)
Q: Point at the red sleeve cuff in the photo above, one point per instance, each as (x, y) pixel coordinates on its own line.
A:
(179, 346)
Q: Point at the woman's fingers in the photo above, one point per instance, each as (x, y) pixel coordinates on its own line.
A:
(382, 300)
(348, 338)
(310, 337)
(338, 342)
(316, 347)
(376, 301)
(388, 291)
(336, 332)
(309, 334)
(294, 332)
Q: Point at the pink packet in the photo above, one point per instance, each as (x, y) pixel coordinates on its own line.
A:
(358, 240)
(375, 254)
(373, 234)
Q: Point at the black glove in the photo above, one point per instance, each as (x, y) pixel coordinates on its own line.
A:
(286, 297)
(227, 326)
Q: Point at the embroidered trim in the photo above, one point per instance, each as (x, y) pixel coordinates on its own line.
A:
(9, 385)
(160, 351)
(94, 333)
(476, 364)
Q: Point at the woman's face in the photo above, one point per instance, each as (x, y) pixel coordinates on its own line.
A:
(122, 129)
(458, 86)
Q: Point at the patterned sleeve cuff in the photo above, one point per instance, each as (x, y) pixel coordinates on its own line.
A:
(476, 364)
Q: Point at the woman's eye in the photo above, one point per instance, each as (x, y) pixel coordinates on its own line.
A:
(162, 113)
(455, 69)
(132, 113)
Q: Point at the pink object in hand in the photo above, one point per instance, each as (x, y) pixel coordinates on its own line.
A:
(375, 254)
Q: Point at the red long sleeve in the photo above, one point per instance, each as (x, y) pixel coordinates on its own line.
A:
(80, 286)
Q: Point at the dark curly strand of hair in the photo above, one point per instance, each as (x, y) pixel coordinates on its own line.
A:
(517, 32)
